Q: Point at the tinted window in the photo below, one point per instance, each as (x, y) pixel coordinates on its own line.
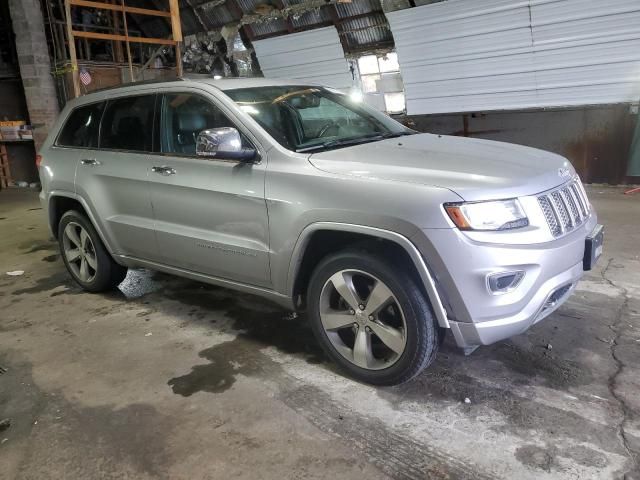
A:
(81, 129)
(128, 124)
(184, 116)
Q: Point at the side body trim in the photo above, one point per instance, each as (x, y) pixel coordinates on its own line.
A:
(272, 295)
(404, 242)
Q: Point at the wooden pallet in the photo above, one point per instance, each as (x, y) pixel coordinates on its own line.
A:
(5, 171)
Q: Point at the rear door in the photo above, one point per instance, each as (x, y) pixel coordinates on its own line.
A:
(211, 215)
(114, 178)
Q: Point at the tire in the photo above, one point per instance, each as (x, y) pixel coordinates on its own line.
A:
(107, 274)
(408, 311)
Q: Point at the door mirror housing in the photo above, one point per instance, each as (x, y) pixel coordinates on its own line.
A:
(224, 143)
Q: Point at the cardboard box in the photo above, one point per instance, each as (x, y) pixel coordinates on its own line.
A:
(10, 129)
(10, 133)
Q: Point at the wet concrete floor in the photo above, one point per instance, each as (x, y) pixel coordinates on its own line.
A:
(169, 378)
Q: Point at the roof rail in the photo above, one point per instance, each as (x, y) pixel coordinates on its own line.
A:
(133, 84)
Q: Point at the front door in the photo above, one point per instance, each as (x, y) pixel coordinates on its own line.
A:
(211, 215)
(113, 178)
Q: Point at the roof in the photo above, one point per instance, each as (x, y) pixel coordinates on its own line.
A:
(250, 82)
(222, 84)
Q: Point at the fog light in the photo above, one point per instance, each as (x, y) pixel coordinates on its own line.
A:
(504, 282)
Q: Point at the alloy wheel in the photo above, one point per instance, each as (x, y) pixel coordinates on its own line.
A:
(362, 319)
(80, 252)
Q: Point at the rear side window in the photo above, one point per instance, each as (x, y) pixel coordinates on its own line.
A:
(81, 129)
(128, 124)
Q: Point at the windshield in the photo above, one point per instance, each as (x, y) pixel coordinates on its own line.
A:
(305, 119)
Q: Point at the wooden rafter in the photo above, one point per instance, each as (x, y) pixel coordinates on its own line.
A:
(123, 38)
(120, 8)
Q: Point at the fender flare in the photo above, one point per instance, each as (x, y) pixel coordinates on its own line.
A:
(87, 211)
(401, 240)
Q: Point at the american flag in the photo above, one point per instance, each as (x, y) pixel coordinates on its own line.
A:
(85, 77)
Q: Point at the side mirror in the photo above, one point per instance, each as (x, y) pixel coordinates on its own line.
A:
(224, 143)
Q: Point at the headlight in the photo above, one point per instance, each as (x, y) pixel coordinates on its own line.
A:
(494, 215)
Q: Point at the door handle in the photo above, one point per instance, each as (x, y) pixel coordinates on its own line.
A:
(164, 170)
(89, 161)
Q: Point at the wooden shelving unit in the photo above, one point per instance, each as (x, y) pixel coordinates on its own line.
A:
(5, 171)
(5, 168)
(173, 15)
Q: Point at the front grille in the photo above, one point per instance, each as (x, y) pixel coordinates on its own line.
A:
(565, 208)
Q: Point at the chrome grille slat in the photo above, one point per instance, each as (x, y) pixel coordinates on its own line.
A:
(583, 206)
(556, 213)
(571, 208)
(550, 215)
(583, 195)
(565, 208)
(573, 203)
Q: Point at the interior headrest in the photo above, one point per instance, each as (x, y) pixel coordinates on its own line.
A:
(191, 122)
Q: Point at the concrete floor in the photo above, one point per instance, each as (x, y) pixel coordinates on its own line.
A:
(167, 378)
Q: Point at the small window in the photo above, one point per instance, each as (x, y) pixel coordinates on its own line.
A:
(368, 64)
(81, 129)
(381, 81)
(128, 124)
(389, 63)
(184, 116)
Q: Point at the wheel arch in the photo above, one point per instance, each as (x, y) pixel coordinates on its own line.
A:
(303, 259)
(61, 202)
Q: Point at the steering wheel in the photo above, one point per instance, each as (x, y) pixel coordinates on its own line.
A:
(326, 127)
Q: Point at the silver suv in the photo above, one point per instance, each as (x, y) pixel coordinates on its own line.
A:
(386, 237)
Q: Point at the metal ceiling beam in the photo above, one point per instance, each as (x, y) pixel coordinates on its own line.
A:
(335, 19)
(287, 21)
(279, 33)
(237, 12)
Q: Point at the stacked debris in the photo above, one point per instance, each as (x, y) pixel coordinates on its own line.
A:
(267, 13)
(219, 53)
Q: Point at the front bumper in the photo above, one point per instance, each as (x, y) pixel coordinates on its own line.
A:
(460, 266)
(546, 300)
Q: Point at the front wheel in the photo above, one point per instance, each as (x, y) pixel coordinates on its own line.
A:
(371, 319)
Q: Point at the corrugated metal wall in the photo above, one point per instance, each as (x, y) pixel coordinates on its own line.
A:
(472, 55)
(312, 56)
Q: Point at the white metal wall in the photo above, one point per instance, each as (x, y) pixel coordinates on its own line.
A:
(311, 56)
(483, 55)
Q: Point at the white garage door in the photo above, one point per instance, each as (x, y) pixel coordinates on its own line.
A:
(476, 55)
(311, 56)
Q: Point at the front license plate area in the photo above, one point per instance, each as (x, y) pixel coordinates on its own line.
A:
(593, 247)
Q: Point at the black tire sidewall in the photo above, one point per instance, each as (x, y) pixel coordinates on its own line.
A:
(422, 334)
(108, 272)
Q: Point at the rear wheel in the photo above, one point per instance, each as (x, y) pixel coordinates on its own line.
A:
(85, 256)
(371, 319)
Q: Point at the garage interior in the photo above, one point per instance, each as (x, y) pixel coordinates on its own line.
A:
(169, 378)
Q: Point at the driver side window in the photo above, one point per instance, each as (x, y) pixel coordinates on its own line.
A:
(184, 116)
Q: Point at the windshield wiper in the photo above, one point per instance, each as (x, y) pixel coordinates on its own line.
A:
(397, 134)
(353, 141)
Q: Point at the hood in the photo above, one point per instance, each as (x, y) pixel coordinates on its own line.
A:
(474, 169)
